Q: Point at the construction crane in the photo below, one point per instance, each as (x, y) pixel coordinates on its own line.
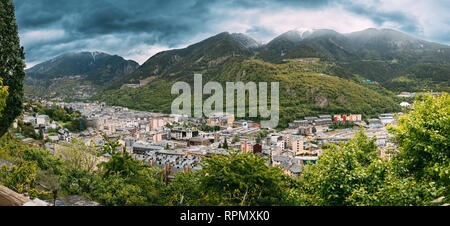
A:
(309, 139)
(309, 151)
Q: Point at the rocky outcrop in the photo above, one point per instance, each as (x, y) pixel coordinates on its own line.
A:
(9, 197)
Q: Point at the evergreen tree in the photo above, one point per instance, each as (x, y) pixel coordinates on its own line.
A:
(225, 144)
(11, 64)
(41, 133)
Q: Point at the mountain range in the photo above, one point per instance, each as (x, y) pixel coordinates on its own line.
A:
(320, 71)
(76, 75)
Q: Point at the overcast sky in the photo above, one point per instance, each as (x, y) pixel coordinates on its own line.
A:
(138, 29)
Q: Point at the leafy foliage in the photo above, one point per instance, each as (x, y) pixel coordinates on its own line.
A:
(342, 125)
(353, 174)
(125, 181)
(3, 95)
(423, 137)
(242, 179)
(78, 155)
(235, 179)
(72, 120)
(26, 162)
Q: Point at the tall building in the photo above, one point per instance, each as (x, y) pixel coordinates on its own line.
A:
(297, 145)
(246, 147)
(288, 140)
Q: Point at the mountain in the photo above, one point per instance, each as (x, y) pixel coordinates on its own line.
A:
(325, 44)
(82, 72)
(368, 44)
(308, 86)
(389, 42)
(199, 57)
(305, 89)
(398, 61)
(247, 41)
(401, 62)
(320, 71)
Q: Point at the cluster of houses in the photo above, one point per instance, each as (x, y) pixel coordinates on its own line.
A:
(45, 124)
(322, 120)
(309, 122)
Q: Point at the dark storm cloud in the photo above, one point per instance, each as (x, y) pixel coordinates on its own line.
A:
(87, 18)
(406, 23)
(279, 3)
(103, 16)
(169, 23)
(52, 27)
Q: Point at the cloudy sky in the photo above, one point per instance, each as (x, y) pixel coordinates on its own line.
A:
(138, 29)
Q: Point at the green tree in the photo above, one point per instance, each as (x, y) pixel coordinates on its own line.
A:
(11, 64)
(50, 182)
(74, 125)
(242, 179)
(78, 155)
(353, 174)
(120, 162)
(225, 144)
(126, 181)
(27, 130)
(76, 181)
(114, 190)
(41, 133)
(342, 125)
(20, 177)
(423, 138)
(235, 139)
(43, 159)
(184, 190)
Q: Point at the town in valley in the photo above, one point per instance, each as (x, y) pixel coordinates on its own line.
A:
(177, 143)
